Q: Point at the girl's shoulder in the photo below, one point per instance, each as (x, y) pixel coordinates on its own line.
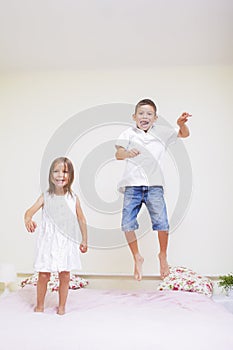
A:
(72, 196)
(45, 195)
(48, 197)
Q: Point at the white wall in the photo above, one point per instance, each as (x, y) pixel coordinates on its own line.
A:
(34, 105)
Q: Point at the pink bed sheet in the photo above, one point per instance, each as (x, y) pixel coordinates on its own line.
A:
(111, 319)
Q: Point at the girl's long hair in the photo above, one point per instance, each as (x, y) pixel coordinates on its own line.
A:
(70, 169)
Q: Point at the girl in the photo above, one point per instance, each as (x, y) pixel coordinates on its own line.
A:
(62, 221)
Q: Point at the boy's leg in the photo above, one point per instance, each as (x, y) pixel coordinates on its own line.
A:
(43, 279)
(138, 259)
(158, 212)
(64, 280)
(163, 242)
(131, 207)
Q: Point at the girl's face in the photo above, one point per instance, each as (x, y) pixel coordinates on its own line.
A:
(60, 175)
(145, 117)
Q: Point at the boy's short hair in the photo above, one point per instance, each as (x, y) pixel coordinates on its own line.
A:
(144, 102)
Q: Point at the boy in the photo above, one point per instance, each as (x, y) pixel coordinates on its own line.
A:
(143, 147)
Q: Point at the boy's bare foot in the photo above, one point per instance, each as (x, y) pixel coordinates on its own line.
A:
(164, 267)
(60, 310)
(38, 309)
(138, 268)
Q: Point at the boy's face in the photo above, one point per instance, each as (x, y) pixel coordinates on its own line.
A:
(145, 117)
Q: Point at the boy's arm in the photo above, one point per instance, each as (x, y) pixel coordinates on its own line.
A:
(83, 226)
(181, 121)
(122, 153)
(31, 225)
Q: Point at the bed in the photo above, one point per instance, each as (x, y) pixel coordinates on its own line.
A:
(115, 319)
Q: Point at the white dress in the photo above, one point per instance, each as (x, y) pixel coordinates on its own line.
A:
(59, 236)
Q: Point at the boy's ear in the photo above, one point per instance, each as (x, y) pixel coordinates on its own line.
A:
(134, 117)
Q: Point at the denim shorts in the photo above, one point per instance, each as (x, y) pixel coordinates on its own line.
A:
(152, 197)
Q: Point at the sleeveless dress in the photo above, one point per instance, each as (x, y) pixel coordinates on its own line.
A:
(57, 247)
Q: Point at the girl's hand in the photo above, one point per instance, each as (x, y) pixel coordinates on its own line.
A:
(183, 119)
(83, 247)
(30, 225)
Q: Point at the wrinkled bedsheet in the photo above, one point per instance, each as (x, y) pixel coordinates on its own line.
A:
(114, 319)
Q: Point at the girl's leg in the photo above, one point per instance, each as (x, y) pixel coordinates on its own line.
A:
(64, 280)
(138, 259)
(41, 290)
(163, 242)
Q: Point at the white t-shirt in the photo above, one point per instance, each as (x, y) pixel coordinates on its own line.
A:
(146, 169)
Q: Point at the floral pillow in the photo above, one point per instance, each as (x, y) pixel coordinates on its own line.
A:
(184, 279)
(53, 285)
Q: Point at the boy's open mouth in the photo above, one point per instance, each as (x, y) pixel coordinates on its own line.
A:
(144, 123)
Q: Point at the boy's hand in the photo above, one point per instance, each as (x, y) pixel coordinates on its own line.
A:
(30, 225)
(133, 153)
(83, 247)
(122, 153)
(183, 119)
